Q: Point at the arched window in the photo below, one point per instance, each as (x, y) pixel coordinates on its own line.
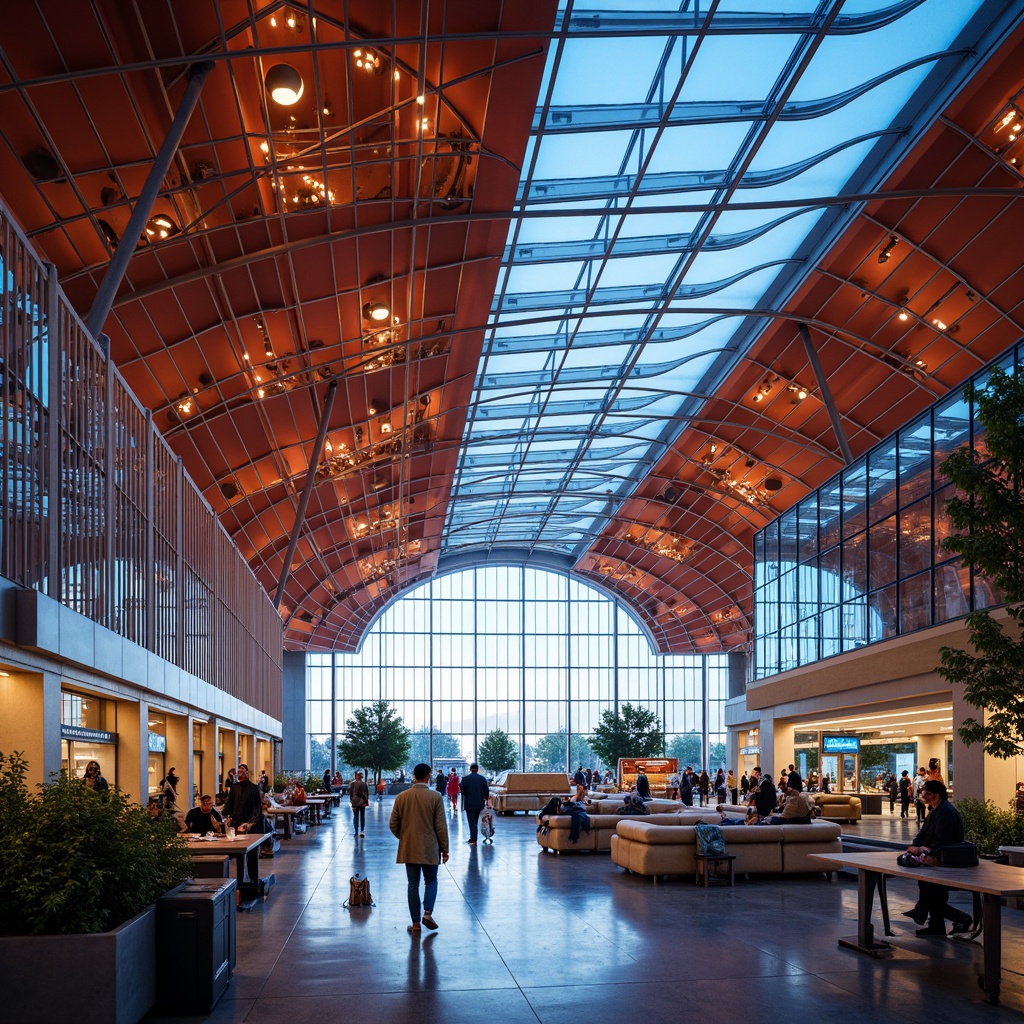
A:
(531, 652)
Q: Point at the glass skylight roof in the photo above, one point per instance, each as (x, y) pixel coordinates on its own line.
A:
(655, 127)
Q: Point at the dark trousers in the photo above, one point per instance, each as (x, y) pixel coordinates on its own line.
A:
(473, 817)
(935, 900)
(579, 820)
(358, 820)
(905, 806)
(412, 872)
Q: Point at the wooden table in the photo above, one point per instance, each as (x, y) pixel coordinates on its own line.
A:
(238, 848)
(319, 808)
(705, 862)
(287, 814)
(991, 882)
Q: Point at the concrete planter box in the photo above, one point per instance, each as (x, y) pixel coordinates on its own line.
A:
(103, 978)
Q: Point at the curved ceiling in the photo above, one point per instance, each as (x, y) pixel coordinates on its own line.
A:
(603, 289)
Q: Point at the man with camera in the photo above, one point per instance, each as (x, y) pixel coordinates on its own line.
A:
(942, 827)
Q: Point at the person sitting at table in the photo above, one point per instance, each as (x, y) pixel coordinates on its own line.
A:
(942, 827)
(243, 808)
(204, 818)
(92, 779)
(299, 795)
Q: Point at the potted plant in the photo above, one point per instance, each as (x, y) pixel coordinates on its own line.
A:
(78, 879)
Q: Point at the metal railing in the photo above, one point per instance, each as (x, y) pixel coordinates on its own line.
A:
(97, 512)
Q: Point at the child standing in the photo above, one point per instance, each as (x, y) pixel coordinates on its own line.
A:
(381, 788)
(487, 821)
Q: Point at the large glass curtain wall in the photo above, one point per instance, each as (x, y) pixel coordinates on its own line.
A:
(861, 559)
(530, 652)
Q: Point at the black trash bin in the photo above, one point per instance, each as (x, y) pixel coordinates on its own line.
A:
(195, 942)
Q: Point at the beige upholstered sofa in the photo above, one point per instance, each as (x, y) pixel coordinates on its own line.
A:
(838, 806)
(554, 831)
(647, 848)
(527, 791)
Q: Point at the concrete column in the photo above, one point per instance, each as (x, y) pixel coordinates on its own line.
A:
(976, 774)
(179, 756)
(50, 761)
(227, 740)
(133, 749)
(208, 782)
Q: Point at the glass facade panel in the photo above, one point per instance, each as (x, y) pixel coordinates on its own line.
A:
(528, 652)
(878, 527)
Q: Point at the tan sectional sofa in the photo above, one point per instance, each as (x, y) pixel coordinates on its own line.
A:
(656, 850)
(838, 806)
(554, 832)
(527, 791)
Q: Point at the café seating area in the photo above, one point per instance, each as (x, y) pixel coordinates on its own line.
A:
(521, 912)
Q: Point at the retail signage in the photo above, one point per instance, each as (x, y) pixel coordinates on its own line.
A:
(76, 732)
(750, 750)
(157, 743)
(840, 744)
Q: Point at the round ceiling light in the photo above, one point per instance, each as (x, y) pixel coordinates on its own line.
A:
(284, 84)
(378, 311)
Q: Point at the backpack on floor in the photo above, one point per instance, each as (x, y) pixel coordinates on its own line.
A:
(359, 893)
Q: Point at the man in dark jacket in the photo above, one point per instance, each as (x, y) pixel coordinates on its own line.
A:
(942, 827)
(686, 787)
(765, 795)
(243, 810)
(474, 799)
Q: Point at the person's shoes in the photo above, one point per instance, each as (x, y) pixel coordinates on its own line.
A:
(429, 922)
(961, 927)
(362, 835)
(932, 929)
(472, 842)
(917, 915)
(414, 929)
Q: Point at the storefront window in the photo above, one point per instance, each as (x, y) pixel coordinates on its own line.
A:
(157, 751)
(88, 733)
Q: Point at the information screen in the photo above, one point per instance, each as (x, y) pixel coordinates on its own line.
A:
(840, 744)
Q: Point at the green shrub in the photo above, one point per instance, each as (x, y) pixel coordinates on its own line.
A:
(77, 861)
(988, 826)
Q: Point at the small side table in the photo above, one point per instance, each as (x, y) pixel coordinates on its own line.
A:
(706, 864)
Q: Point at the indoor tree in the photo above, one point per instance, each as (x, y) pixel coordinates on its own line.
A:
(375, 738)
(497, 752)
(629, 732)
(988, 515)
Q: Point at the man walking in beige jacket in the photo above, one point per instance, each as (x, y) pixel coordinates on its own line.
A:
(418, 820)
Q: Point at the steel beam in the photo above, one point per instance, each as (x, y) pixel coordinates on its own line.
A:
(826, 394)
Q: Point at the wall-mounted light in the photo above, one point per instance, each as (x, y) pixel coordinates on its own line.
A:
(799, 392)
(886, 251)
(284, 84)
(376, 311)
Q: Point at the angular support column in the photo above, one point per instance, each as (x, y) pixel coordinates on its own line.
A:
(826, 394)
(144, 204)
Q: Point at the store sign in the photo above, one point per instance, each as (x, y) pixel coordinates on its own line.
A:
(76, 732)
(157, 743)
(840, 744)
(750, 750)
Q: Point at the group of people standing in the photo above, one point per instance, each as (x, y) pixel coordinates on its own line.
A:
(688, 785)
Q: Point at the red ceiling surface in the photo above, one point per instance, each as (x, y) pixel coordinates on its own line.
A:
(288, 222)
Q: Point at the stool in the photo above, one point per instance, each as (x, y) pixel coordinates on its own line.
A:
(706, 863)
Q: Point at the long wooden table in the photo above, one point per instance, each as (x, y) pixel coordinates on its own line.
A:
(287, 814)
(990, 881)
(238, 848)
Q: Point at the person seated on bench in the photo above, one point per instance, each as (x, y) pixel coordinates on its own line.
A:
(633, 804)
(942, 827)
(551, 807)
(580, 819)
(204, 818)
(727, 820)
(797, 808)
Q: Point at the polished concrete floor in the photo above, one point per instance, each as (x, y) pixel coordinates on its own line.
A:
(526, 936)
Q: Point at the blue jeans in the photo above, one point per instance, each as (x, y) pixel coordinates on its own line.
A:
(429, 888)
(358, 820)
